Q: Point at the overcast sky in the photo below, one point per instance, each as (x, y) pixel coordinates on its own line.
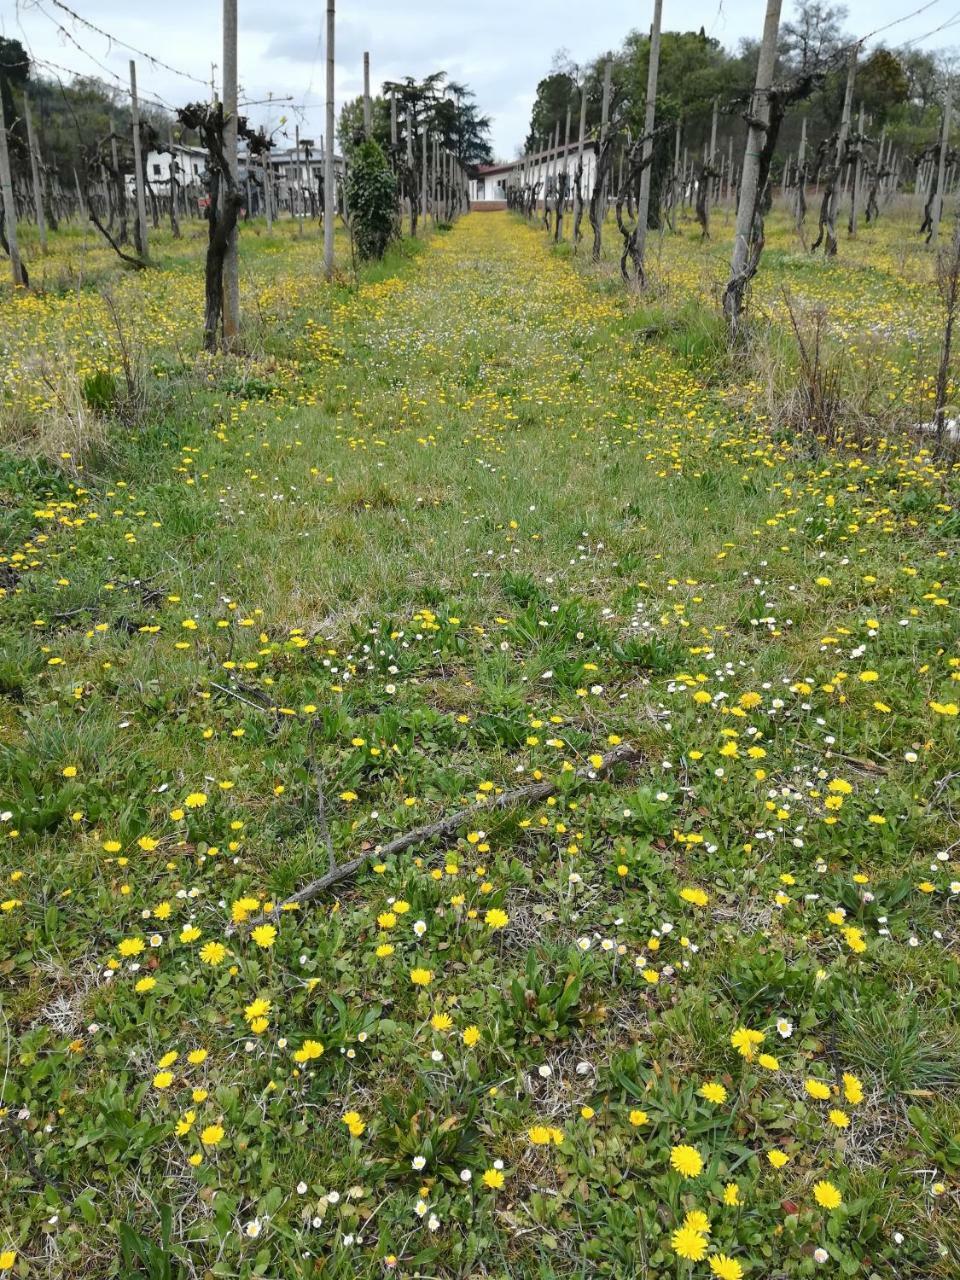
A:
(500, 48)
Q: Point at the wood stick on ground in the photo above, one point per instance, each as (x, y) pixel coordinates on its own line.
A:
(531, 794)
(223, 688)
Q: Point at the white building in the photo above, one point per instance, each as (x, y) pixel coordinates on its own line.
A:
(190, 165)
(294, 189)
(296, 185)
(489, 183)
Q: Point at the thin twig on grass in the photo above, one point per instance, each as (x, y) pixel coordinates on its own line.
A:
(531, 794)
(223, 688)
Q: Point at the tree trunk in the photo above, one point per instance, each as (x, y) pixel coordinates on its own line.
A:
(743, 263)
(231, 203)
(223, 225)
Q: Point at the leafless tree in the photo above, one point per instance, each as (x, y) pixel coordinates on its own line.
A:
(707, 175)
(598, 197)
(779, 99)
(224, 201)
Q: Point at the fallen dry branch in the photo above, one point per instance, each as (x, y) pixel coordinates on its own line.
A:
(257, 706)
(531, 794)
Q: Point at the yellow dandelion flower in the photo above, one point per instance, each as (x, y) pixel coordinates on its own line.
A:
(686, 1160)
(688, 1244)
(827, 1195)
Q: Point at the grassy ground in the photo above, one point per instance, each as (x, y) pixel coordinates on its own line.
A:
(458, 530)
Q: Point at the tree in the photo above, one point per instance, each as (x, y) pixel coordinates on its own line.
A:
(557, 94)
(924, 82)
(350, 131)
(882, 85)
(14, 78)
(446, 109)
(815, 35)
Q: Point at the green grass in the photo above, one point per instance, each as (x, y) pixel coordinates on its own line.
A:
(450, 531)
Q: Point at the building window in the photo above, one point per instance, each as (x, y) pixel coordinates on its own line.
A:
(156, 171)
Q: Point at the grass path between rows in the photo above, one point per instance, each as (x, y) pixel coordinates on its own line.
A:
(469, 526)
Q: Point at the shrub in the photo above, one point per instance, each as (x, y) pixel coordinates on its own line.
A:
(372, 201)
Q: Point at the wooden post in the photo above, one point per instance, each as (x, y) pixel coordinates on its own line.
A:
(367, 104)
(35, 175)
(580, 195)
(855, 178)
(329, 180)
(121, 192)
(937, 212)
(676, 157)
(605, 103)
(81, 204)
(649, 119)
(142, 248)
(9, 209)
(424, 185)
(436, 181)
(563, 189)
(231, 264)
(296, 135)
(548, 172)
(268, 173)
(174, 224)
(801, 192)
(604, 123)
(393, 120)
(409, 122)
(750, 173)
(842, 134)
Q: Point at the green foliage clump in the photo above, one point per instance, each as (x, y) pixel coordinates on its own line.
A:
(100, 392)
(372, 201)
